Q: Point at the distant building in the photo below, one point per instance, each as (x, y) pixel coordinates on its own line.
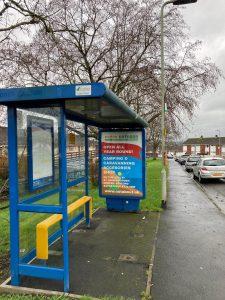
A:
(205, 146)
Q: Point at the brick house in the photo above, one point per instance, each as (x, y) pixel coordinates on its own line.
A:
(205, 146)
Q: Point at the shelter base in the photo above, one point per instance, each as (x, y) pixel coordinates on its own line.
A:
(122, 205)
(110, 258)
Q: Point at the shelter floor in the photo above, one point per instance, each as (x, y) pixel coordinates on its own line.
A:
(110, 258)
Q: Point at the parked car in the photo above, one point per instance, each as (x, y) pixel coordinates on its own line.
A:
(177, 155)
(182, 159)
(209, 168)
(169, 155)
(191, 161)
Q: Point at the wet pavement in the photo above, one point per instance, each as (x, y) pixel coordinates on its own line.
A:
(110, 258)
(190, 249)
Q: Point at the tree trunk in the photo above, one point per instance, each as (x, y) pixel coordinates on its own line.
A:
(154, 155)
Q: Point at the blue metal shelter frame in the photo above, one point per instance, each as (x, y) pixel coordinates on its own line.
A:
(89, 104)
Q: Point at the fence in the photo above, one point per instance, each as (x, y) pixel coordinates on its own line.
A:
(75, 161)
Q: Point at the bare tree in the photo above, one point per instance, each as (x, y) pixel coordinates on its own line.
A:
(16, 14)
(117, 42)
(154, 137)
(2, 115)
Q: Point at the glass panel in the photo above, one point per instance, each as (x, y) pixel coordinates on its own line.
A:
(76, 192)
(214, 162)
(75, 150)
(98, 110)
(50, 200)
(193, 159)
(38, 151)
(28, 223)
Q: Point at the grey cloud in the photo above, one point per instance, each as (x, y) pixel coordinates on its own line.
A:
(206, 20)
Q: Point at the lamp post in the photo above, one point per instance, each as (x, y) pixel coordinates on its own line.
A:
(219, 142)
(163, 104)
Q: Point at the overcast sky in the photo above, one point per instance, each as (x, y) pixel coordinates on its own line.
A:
(206, 20)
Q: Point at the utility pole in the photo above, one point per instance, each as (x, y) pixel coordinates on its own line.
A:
(163, 103)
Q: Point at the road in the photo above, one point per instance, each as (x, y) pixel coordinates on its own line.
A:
(190, 249)
(214, 190)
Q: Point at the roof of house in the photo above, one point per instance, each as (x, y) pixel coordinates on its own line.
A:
(205, 141)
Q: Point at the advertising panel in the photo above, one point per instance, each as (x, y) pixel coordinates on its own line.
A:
(121, 164)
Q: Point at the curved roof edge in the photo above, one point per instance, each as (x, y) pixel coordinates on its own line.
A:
(69, 91)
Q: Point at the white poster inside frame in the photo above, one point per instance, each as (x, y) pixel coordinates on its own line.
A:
(40, 152)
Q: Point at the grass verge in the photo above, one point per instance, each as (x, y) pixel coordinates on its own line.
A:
(153, 186)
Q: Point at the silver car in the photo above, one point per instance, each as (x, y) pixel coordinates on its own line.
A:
(209, 168)
(190, 162)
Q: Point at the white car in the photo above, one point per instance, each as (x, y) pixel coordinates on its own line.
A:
(209, 168)
(169, 155)
(190, 162)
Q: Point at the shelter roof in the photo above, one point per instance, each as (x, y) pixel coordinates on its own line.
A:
(91, 103)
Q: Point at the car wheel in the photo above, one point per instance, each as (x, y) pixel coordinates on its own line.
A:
(186, 170)
(193, 176)
(200, 178)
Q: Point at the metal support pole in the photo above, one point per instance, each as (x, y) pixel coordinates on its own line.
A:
(163, 172)
(63, 195)
(163, 104)
(13, 188)
(87, 205)
(219, 146)
(220, 152)
(86, 159)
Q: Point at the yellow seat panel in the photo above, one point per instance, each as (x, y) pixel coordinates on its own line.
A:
(42, 227)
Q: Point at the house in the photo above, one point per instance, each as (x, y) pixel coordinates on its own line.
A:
(205, 146)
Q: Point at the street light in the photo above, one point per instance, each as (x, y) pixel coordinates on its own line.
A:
(163, 104)
(219, 142)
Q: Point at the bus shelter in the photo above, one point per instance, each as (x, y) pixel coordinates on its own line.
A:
(49, 192)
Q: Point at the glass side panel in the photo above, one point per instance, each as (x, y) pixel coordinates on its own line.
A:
(28, 223)
(76, 192)
(75, 150)
(38, 151)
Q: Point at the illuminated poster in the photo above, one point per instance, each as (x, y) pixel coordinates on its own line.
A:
(121, 162)
(40, 152)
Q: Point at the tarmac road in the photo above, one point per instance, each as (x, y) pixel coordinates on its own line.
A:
(190, 250)
(215, 191)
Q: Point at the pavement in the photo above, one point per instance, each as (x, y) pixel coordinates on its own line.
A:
(111, 258)
(190, 250)
(115, 256)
